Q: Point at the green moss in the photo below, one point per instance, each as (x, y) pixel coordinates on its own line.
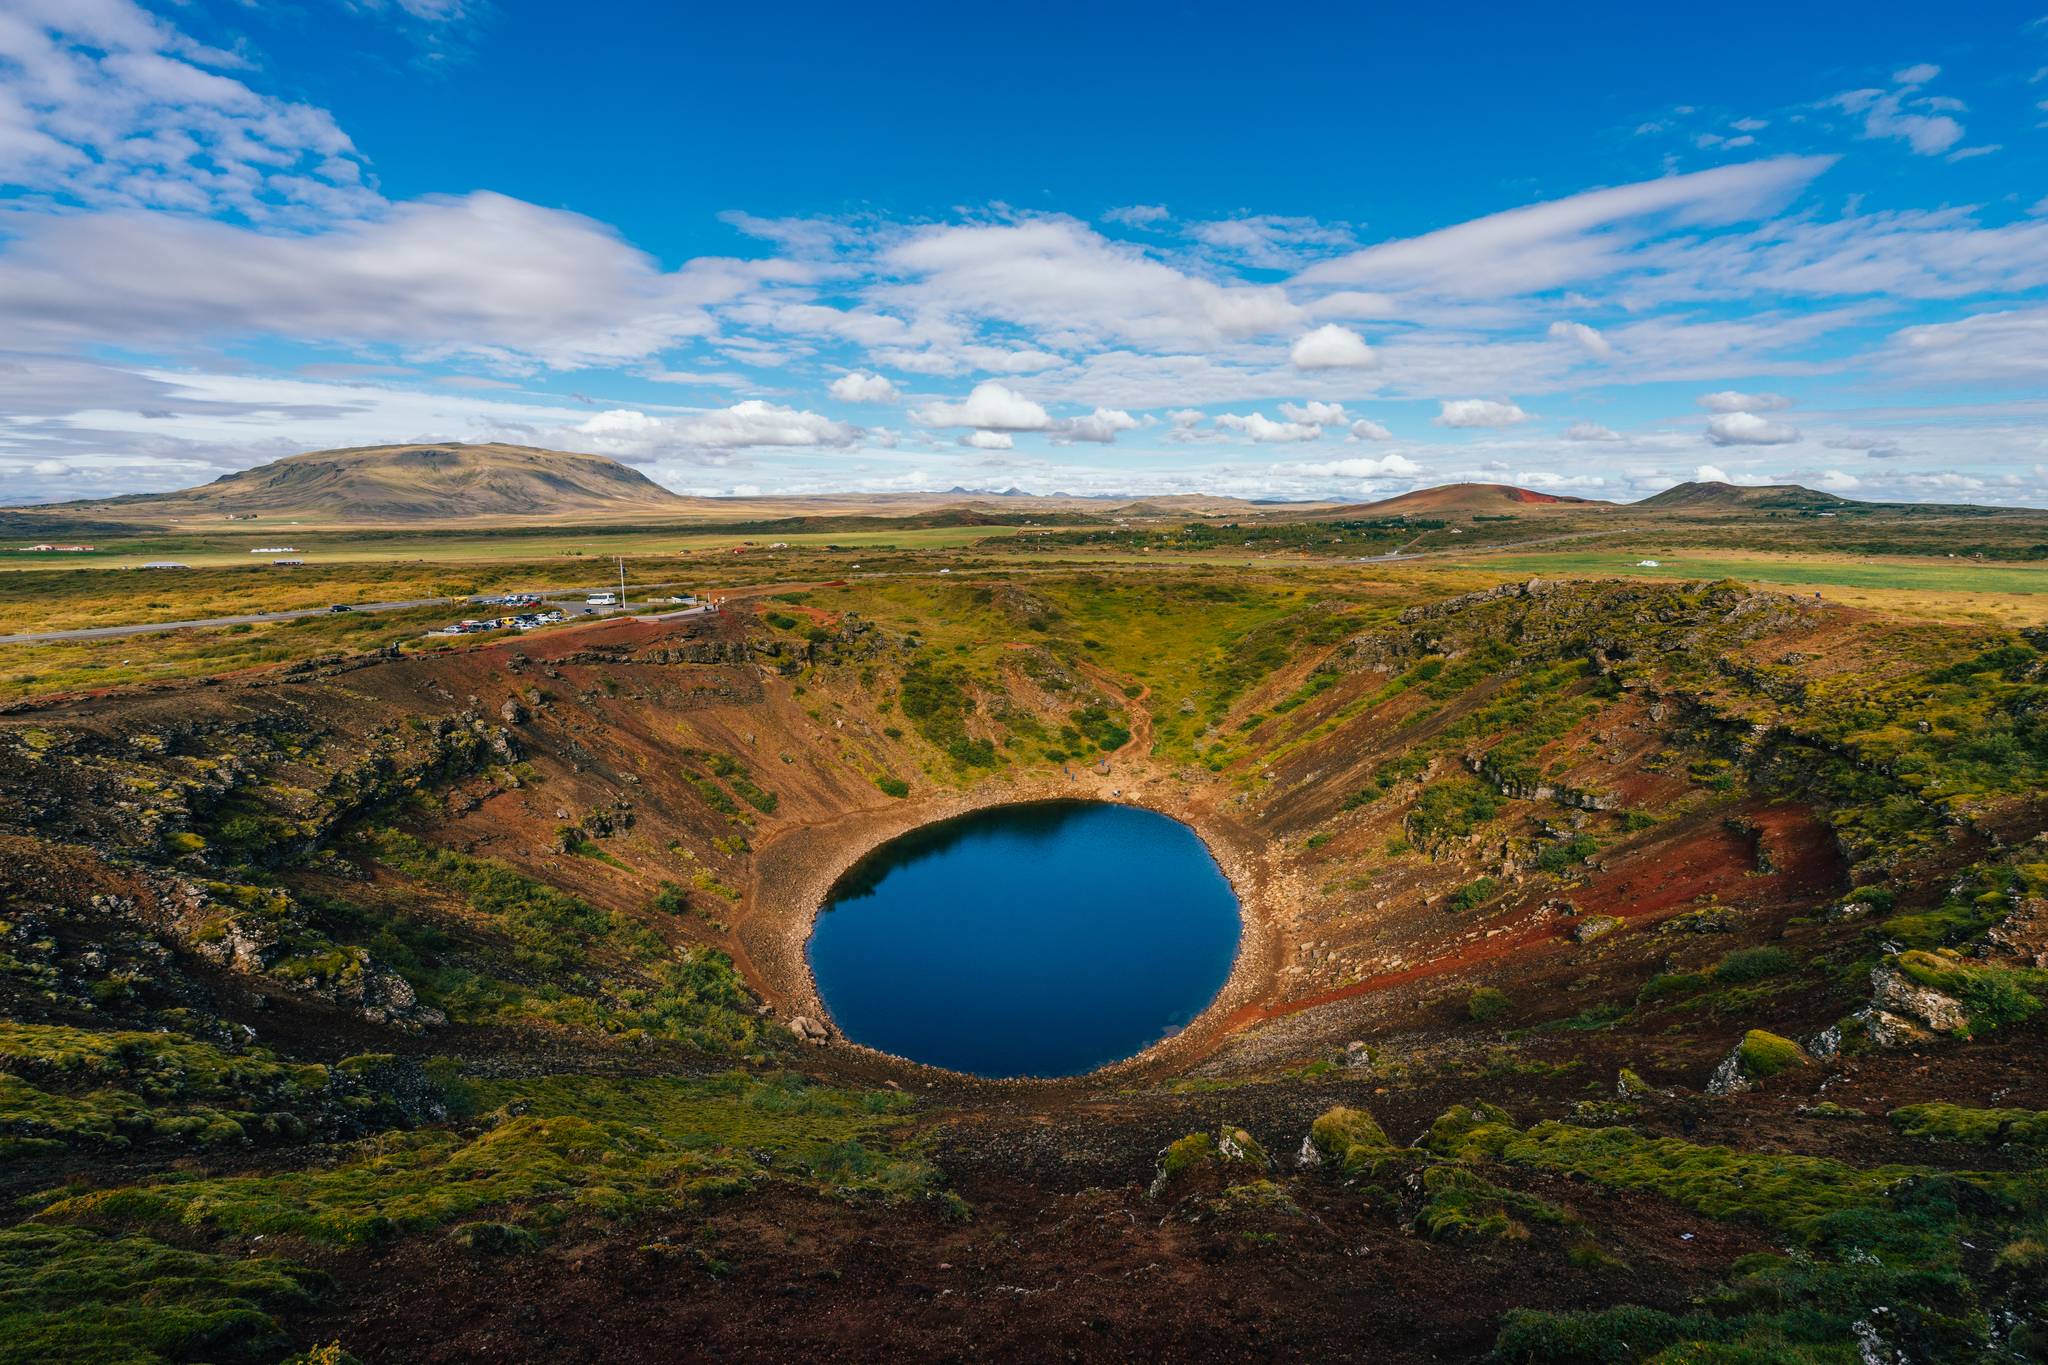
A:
(1765, 1054)
(1791, 1193)
(75, 1295)
(1939, 1122)
(1461, 1204)
(1352, 1141)
(1470, 1132)
(1186, 1154)
(559, 1147)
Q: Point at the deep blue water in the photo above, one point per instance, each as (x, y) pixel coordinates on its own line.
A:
(1034, 940)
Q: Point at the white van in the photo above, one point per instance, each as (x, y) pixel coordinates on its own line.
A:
(601, 599)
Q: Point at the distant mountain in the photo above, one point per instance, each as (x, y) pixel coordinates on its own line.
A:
(412, 483)
(1480, 499)
(1729, 497)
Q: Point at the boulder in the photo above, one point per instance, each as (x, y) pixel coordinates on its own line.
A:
(1759, 1056)
(1892, 991)
(810, 1030)
(1594, 926)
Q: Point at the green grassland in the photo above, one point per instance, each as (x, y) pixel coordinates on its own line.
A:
(221, 549)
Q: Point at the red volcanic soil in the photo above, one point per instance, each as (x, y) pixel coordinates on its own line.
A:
(1714, 858)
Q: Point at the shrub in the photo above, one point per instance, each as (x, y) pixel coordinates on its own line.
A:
(1753, 964)
(1994, 996)
(893, 786)
(1472, 894)
(1487, 1004)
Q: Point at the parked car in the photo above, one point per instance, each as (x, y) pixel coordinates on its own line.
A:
(341, 606)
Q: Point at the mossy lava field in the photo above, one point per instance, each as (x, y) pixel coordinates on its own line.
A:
(1631, 969)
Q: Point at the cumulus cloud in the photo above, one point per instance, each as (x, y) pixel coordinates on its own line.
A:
(1263, 429)
(1331, 347)
(1590, 431)
(1836, 481)
(1479, 412)
(106, 105)
(1711, 473)
(1728, 400)
(1365, 429)
(856, 387)
(1587, 339)
(1318, 413)
(1099, 427)
(1748, 429)
(988, 440)
(991, 406)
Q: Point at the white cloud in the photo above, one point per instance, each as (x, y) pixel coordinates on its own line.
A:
(753, 423)
(1479, 412)
(1389, 465)
(1590, 431)
(103, 104)
(482, 276)
(1099, 427)
(1547, 246)
(1138, 215)
(1331, 347)
(1711, 473)
(1835, 481)
(1265, 430)
(1067, 284)
(1313, 412)
(1748, 429)
(1586, 338)
(988, 440)
(1365, 429)
(2007, 344)
(856, 387)
(991, 406)
(1271, 241)
(1728, 400)
(1905, 115)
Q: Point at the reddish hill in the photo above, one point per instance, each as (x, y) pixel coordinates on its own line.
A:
(1474, 498)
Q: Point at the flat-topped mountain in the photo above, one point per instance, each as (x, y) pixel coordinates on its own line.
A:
(448, 481)
(1708, 496)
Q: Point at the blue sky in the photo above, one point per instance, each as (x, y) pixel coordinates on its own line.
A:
(1335, 251)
